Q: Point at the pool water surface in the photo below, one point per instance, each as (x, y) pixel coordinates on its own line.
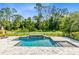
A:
(37, 41)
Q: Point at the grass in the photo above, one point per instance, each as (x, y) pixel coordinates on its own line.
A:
(74, 35)
(12, 33)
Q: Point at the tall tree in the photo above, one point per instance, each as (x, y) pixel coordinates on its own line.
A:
(56, 14)
(8, 13)
(74, 21)
(39, 7)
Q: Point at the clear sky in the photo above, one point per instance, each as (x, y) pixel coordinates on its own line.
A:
(27, 9)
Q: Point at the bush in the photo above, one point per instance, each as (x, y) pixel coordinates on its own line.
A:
(20, 30)
(0, 31)
(21, 34)
(10, 34)
(2, 35)
(75, 35)
(54, 34)
(38, 31)
(17, 33)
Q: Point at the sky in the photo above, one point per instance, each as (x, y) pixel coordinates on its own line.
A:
(27, 9)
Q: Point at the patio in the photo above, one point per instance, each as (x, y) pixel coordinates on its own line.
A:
(7, 48)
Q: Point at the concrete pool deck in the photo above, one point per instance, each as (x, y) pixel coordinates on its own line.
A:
(7, 48)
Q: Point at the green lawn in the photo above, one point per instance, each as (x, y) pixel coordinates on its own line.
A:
(29, 33)
(74, 35)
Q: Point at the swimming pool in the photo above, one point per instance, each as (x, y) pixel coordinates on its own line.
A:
(37, 41)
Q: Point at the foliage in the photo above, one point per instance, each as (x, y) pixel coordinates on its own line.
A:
(28, 33)
(38, 7)
(75, 35)
(0, 31)
(48, 18)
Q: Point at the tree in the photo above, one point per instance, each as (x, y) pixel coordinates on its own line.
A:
(7, 13)
(1, 14)
(44, 25)
(17, 21)
(74, 21)
(37, 23)
(56, 14)
(6, 24)
(29, 24)
(38, 7)
(70, 23)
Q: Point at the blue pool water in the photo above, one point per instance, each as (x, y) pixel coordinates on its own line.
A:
(37, 41)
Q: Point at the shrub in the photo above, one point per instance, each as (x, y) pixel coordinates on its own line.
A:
(75, 35)
(10, 33)
(0, 31)
(20, 30)
(54, 34)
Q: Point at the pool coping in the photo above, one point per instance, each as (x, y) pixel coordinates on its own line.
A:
(65, 39)
(54, 38)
